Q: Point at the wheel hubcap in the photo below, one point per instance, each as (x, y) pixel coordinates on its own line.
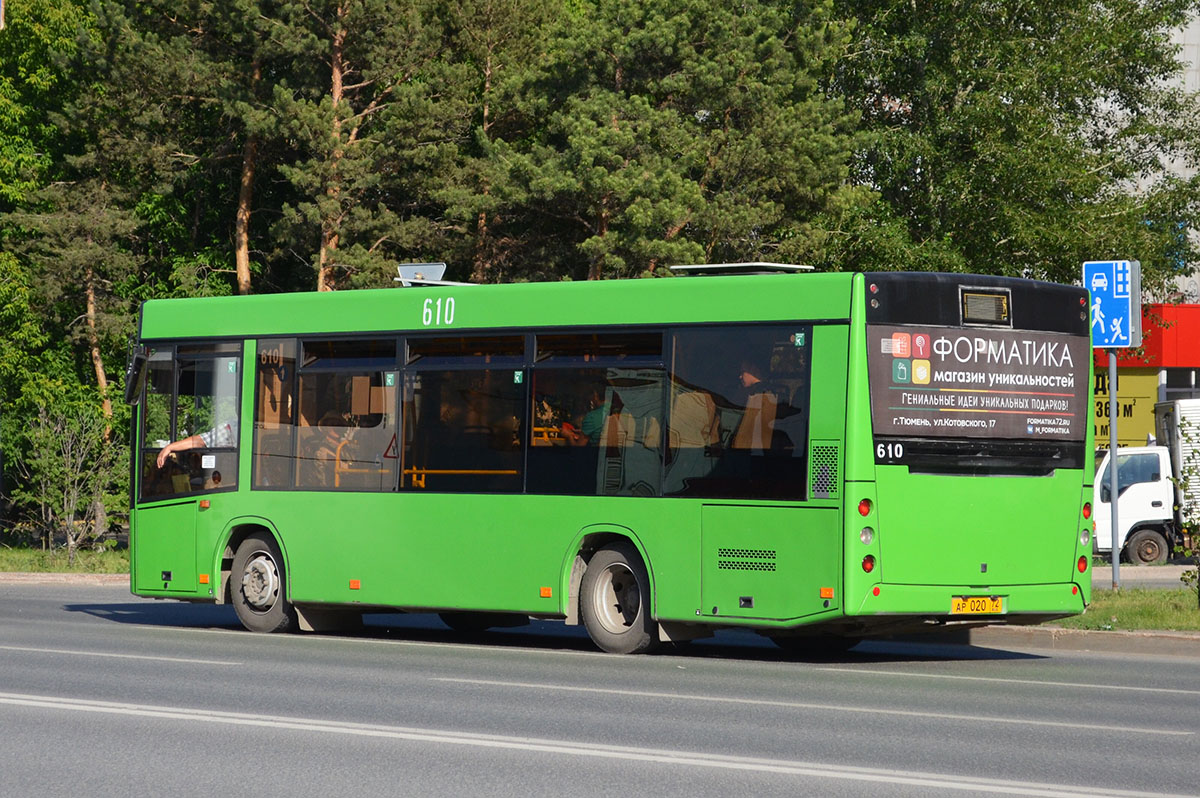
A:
(618, 600)
(260, 582)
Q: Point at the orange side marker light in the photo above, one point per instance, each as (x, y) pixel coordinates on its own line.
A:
(826, 592)
(204, 579)
(546, 592)
(355, 584)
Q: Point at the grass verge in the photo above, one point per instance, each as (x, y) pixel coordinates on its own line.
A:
(1134, 609)
(55, 561)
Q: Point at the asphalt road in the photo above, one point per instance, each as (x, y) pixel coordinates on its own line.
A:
(105, 694)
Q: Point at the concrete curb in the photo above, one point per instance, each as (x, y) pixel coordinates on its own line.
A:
(28, 578)
(1184, 644)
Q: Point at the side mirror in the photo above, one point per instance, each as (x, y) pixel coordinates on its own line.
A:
(1105, 493)
(135, 375)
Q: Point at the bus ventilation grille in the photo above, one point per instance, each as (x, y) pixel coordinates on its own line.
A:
(823, 471)
(745, 560)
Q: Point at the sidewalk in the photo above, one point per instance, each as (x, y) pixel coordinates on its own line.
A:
(27, 578)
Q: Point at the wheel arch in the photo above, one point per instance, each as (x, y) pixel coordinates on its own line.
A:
(237, 531)
(586, 543)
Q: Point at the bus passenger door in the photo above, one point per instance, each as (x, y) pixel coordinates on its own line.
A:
(773, 563)
(164, 547)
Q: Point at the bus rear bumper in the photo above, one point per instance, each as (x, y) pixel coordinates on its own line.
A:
(996, 604)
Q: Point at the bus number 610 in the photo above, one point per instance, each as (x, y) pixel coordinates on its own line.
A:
(889, 451)
(437, 312)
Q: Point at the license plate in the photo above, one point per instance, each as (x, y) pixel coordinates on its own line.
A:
(976, 605)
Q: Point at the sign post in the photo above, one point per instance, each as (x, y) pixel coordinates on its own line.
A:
(1116, 313)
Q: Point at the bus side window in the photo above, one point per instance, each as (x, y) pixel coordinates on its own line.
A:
(274, 414)
(464, 400)
(597, 410)
(346, 427)
(756, 380)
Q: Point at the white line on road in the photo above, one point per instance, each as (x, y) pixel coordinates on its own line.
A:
(822, 707)
(595, 750)
(116, 656)
(1056, 685)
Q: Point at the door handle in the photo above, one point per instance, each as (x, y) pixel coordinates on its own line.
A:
(1156, 504)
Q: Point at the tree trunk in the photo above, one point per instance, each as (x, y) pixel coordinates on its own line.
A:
(241, 230)
(481, 267)
(330, 225)
(94, 345)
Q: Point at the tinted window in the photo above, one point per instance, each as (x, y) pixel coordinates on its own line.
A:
(737, 424)
(462, 430)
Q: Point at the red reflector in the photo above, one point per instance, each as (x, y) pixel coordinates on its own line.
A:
(868, 563)
(1082, 564)
(864, 507)
(1074, 590)
(1087, 509)
(875, 592)
(355, 584)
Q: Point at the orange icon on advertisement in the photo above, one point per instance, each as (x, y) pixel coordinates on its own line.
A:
(900, 345)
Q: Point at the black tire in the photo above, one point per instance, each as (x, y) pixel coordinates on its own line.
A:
(258, 585)
(1146, 547)
(472, 623)
(614, 601)
(821, 645)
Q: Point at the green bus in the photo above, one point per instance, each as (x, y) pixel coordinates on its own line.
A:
(816, 457)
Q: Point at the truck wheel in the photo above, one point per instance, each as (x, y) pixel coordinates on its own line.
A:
(1146, 547)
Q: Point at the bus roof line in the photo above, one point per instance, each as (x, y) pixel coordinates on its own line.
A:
(754, 267)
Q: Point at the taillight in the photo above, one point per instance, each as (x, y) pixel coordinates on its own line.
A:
(1082, 564)
(868, 563)
(1087, 509)
(864, 507)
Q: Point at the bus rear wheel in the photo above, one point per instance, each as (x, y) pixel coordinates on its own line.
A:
(614, 601)
(259, 586)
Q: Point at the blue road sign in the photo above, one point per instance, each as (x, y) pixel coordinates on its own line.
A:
(1116, 287)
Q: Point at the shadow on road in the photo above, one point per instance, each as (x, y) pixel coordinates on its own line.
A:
(551, 636)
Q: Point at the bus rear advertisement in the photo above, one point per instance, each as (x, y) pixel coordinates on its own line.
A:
(819, 458)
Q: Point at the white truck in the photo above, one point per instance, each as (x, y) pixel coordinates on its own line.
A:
(1158, 487)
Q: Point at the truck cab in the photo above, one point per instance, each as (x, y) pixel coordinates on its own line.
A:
(1146, 514)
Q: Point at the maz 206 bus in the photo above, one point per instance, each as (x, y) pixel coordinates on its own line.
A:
(815, 457)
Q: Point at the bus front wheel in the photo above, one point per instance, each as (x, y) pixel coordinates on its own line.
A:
(259, 587)
(614, 601)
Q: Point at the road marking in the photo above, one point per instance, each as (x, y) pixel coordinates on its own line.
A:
(116, 656)
(824, 707)
(595, 750)
(1056, 685)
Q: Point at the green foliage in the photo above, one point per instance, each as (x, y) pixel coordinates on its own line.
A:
(105, 559)
(1132, 609)
(1024, 138)
(67, 465)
